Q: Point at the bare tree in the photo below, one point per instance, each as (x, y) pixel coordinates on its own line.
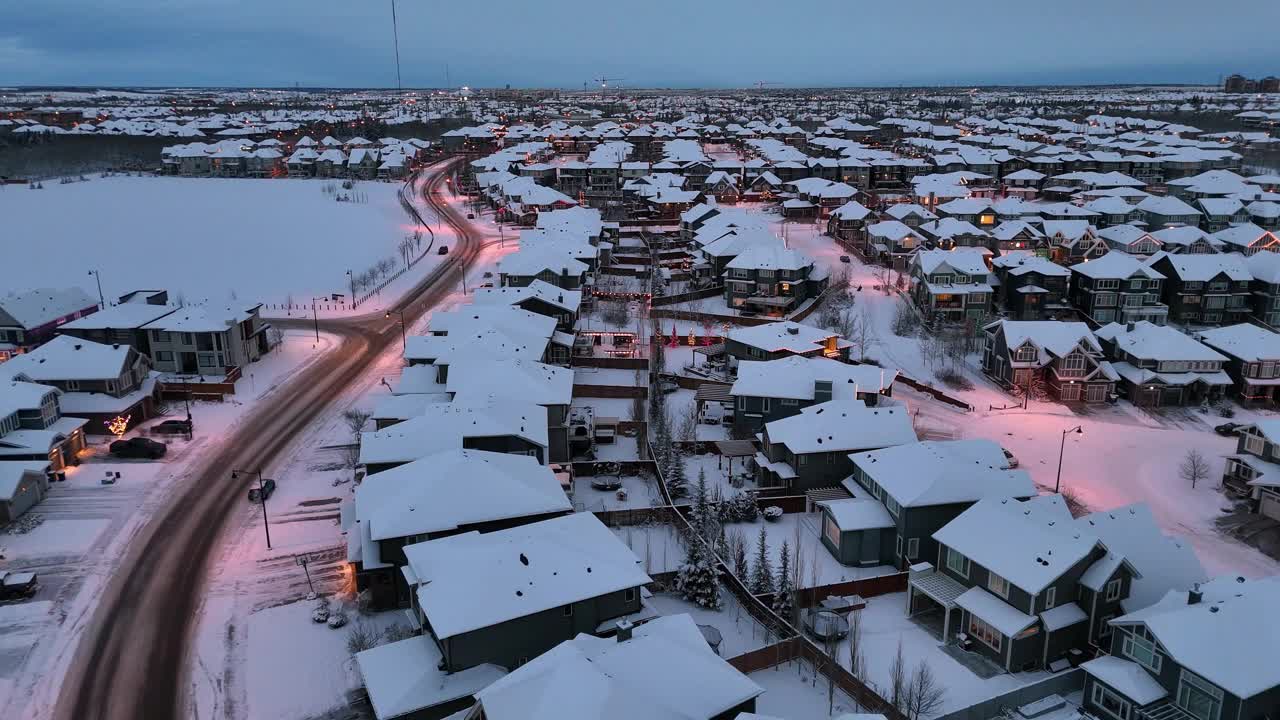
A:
(1194, 467)
(898, 679)
(857, 658)
(905, 320)
(859, 330)
(884, 278)
(355, 420)
(924, 694)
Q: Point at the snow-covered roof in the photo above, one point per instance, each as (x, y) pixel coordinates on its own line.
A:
(1156, 342)
(455, 488)
(1127, 677)
(858, 513)
(1205, 267)
(770, 256)
(34, 308)
(999, 614)
(125, 316)
(1245, 341)
(943, 472)
(1166, 205)
(786, 335)
(1052, 337)
(404, 676)
(494, 379)
(1031, 544)
(443, 426)
(1225, 637)
(478, 580)
(842, 425)
(568, 300)
(1021, 262)
(12, 472)
(201, 318)
(794, 377)
(1116, 265)
(590, 677)
(70, 358)
(1244, 236)
(966, 260)
(1164, 562)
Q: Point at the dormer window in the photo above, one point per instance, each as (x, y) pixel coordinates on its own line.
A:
(1026, 353)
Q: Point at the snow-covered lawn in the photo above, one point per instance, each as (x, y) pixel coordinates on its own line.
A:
(87, 527)
(739, 632)
(205, 239)
(791, 691)
(641, 491)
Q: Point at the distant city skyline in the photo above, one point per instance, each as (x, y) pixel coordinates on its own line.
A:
(659, 44)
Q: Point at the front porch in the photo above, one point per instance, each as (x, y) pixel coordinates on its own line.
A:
(941, 589)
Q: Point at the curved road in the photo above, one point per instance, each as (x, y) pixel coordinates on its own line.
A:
(131, 661)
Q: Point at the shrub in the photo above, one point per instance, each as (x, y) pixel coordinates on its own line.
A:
(954, 379)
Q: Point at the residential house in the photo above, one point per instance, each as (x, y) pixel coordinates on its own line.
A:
(516, 427)
(1020, 575)
(810, 450)
(32, 426)
(207, 340)
(948, 233)
(1073, 241)
(1061, 359)
(601, 678)
(1031, 287)
(98, 382)
(848, 224)
(774, 389)
(1167, 211)
(918, 488)
(445, 493)
(1118, 286)
(538, 297)
(1253, 471)
(1247, 239)
(541, 584)
(772, 279)
(1253, 359)
(1198, 654)
(30, 318)
(1208, 289)
(1221, 213)
(124, 322)
(951, 286)
(1186, 240)
(892, 242)
(1265, 269)
(550, 265)
(773, 341)
(1159, 365)
(23, 484)
(1130, 239)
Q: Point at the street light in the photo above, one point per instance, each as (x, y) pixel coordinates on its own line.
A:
(262, 497)
(101, 300)
(404, 344)
(1079, 430)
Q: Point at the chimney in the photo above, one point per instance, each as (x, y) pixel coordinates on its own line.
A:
(624, 630)
(793, 329)
(1194, 596)
(1130, 326)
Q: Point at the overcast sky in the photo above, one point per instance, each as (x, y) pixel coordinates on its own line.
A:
(651, 43)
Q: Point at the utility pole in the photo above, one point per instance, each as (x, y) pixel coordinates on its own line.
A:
(102, 303)
(315, 318)
(395, 34)
(352, 280)
(1079, 430)
(262, 498)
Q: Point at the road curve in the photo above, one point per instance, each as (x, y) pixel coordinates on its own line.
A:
(131, 661)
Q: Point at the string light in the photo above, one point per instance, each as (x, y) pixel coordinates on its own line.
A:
(118, 425)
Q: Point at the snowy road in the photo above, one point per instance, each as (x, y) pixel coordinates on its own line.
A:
(131, 660)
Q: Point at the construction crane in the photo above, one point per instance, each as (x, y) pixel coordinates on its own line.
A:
(604, 81)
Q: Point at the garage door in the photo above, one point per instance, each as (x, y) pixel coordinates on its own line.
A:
(1097, 393)
(1270, 506)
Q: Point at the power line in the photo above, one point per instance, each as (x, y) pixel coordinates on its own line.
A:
(395, 34)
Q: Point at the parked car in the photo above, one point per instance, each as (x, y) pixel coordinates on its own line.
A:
(139, 447)
(471, 216)
(1228, 429)
(845, 259)
(258, 494)
(172, 427)
(444, 250)
(1009, 460)
(14, 585)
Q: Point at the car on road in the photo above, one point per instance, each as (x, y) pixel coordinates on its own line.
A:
(172, 427)
(15, 585)
(258, 494)
(139, 447)
(444, 250)
(845, 259)
(471, 216)
(1228, 429)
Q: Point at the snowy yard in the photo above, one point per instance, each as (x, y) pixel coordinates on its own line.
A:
(739, 632)
(208, 239)
(790, 691)
(641, 492)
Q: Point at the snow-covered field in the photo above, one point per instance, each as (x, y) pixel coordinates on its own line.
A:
(206, 239)
(87, 526)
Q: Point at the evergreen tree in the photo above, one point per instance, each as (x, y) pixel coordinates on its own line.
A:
(702, 518)
(740, 565)
(782, 600)
(762, 573)
(722, 547)
(677, 482)
(698, 580)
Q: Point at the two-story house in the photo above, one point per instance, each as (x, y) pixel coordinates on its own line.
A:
(32, 426)
(123, 323)
(1025, 581)
(537, 297)
(504, 426)
(1064, 357)
(1265, 269)
(902, 495)
(952, 286)
(1253, 359)
(772, 279)
(30, 318)
(1198, 654)
(1118, 286)
(1253, 472)
(1167, 211)
(1159, 365)
(1186, 240)
(98, 382)
(206, 340)
(551, 265)
(811, 449)
(1031, 287)
(848, 224)
(1246, 239)
(774, 341)
(446, 493)
(769, 390)
(1208, 289)
(1130, 239)
(505, 597)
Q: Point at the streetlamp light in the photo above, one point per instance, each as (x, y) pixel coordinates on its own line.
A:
(262, 497)
(1079, 430)
(102, 303)
(351, 279)
(404, 344)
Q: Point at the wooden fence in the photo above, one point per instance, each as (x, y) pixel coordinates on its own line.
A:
(703, 294)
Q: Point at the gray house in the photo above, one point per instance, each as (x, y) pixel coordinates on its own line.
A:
(811, 449)
(774, 389)
(541, 584)
(205, 340)
(23, 484)
(923, 486)
(1199, 654)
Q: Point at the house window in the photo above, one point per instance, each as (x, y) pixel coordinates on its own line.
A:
(1113, 590)
(913, 548)
(984, 632)
(1199, 696)
(1050, 597)
(764, 404)
(998, 585)
(629, 595)
(1105, 622)
(206, 359)
(1073, 364)
(1253, 444)
(1111, 703)
(161, 336)
(1106, 299)
(73, 385)
(1106, 284)
(957, 563)
(164, 355)
(831, 531)
(892, 506)
(1026, 353)
(789, 401)
(1142, 651)
(567, 611)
